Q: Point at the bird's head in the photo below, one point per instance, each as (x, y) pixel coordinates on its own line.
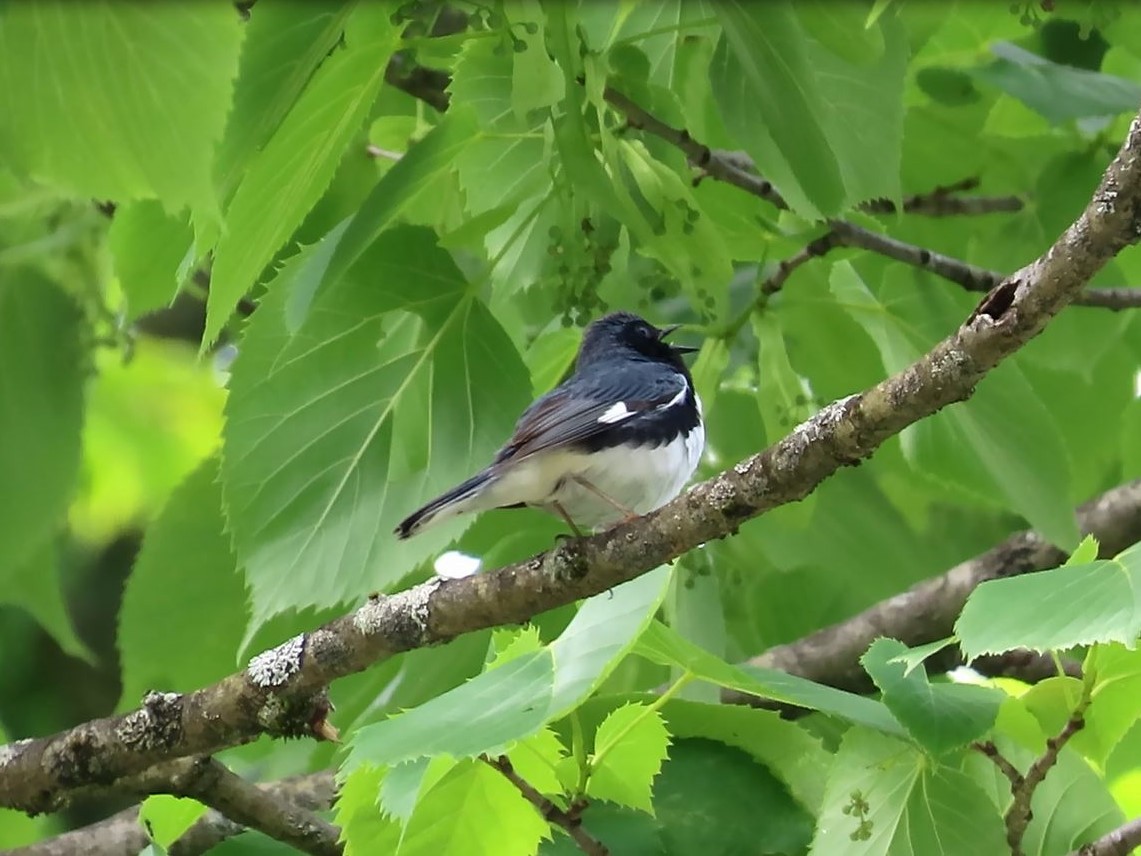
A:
(624, 332)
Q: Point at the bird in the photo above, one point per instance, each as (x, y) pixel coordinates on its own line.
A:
(618, 438)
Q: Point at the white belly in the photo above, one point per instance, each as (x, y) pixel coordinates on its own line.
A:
(640, 479)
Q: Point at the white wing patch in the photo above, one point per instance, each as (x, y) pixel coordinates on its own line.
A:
(616, 413)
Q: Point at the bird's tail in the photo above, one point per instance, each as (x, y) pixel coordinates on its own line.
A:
(456, 501)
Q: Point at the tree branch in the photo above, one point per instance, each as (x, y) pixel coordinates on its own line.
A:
(570, 821)
(967, 276)
(927, 611)
(123, 835)
(1121, 842)
(282, 692)
(943, 202)
(1022, 788)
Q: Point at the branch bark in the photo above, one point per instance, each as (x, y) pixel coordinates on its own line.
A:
(123, 835)
(927, 611)
(282, 692)
(1120, 842)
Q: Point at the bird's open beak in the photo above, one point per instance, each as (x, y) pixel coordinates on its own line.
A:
(679, 349)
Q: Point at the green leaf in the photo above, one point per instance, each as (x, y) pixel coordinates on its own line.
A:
(1085, 553)
(884, 797)
(398, 385)
(508, 159)
(402, 186)
(769, 98)
(81, 87)
(791, 753)
(713, 798)
(1051, 610)
(629, 748)
(1116, 672)
(289, 175)
(940, 717)
(363, 828)
(661, 644)
(536, 760)
(828, 132)
(148, 248)
(782, 395)
(474, 811)
(36, 586)
(842, 28)
(284, 43)
(1058, 92)
(515, 700)
(166, 817)
(184, 607)
(406, 784)
(42, 368)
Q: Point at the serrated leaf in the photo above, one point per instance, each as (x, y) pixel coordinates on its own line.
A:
(791, 753)
(1053, 610)
(940, 717)
(536, 759)
(913, 658)
(629, 748)
(283, 45)
(363, 828)
(884, 797)
(661, 644)
(289, 175)
(412, 176)
(474, 811)
(515, 700)
(1085, 553)
(826, 131)
(713, 798)
(507, 160)
(184, 607)
(42, 368)
(398, 385)
(406, 784)
(80, 85)
(148, 247)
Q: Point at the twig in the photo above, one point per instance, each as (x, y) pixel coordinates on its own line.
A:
(967, 276)
(813, 249)
(1018, 815)
(987, 747)
(1120, 842)
(942, 201)
(570, 820)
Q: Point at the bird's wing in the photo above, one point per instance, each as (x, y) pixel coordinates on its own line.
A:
(572, 412)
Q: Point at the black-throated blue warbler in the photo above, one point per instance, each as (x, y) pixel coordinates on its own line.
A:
(620, 437)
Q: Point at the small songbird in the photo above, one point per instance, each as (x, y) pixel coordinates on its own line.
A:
(618, 438)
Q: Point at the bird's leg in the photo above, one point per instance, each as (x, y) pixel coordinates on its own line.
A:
(563, 514)
(627, 514)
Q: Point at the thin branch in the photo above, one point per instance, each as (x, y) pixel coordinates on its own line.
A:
(815, 248)
(283, 691)
(1019, 814)
(967, 276)
(927, 611)
(570, 821)
(1120, 842)
(944, 201)
(987, 748)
